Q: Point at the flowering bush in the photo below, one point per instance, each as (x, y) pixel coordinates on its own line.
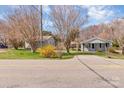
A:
(47, 51)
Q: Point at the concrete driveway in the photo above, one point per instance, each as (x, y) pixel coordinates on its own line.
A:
(81, 71)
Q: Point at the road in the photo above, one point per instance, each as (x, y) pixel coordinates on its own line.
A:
(79, 72)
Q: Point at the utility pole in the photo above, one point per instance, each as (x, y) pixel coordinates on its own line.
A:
(39, 9)
(41, 26)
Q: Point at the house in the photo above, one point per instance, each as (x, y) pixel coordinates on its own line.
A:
(73, 44)
(95, 44)
(46, 41)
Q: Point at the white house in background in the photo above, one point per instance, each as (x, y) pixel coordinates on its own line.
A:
(95, 44)
(46, 41)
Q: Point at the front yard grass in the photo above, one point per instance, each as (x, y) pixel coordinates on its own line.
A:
(19, 54)
(73, 53)
(116, 56)
(27, 54)
(101, 54)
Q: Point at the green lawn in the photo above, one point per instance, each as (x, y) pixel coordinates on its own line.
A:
(73, 53)
(26, 54)
(101, 54)
(19, 54)
(116, 56)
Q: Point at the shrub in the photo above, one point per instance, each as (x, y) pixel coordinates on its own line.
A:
(112, 50)
(115, 43)
(47, 51)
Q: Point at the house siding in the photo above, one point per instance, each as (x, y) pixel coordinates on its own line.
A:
(50, 41)
(95, 45)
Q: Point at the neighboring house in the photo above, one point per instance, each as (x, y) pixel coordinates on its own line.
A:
(46, 41)
(73, 44)
(95, 44)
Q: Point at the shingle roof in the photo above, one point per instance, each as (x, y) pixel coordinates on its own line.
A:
(46, 37)
(95, 38)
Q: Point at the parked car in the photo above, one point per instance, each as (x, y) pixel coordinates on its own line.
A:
(3, 46)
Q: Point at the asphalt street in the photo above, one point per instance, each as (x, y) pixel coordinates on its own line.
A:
(80, 72)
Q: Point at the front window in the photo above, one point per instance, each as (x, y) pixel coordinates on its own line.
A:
(106, 44)
(100, 45)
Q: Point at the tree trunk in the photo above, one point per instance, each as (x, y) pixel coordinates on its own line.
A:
(16, 48)
(78, 46)
(123, 50)
(33, 48)
(67, 45)
(67, 49)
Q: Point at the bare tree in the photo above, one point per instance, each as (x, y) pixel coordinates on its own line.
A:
(26, 20)
(3, 33)
(67, 20)
(14, 36)
(117, 27)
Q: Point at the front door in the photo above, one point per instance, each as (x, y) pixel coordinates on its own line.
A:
(93, 47)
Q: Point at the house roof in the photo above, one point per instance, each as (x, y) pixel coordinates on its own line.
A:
(96, 40)
(46, 37)
(73, 42)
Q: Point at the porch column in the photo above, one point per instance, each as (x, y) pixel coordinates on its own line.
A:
(89, 47)
(83, 47)
(96, 46)
(105, 46)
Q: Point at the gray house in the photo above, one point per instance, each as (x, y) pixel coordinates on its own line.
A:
(47, 40)
(95, 44)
